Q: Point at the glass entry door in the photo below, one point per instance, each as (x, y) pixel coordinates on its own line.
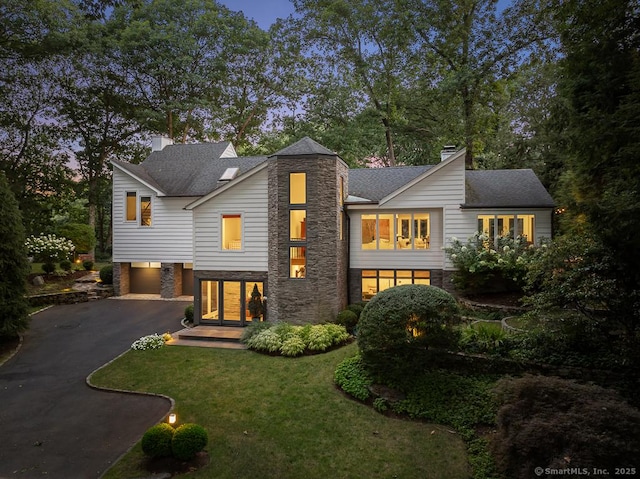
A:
(227, 302)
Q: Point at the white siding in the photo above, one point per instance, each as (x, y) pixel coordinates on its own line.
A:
(248, 198)
(169, 238)
(431, 258)
(462, 224)
(442, 187)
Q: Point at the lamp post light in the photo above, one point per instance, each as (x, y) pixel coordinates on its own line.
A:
(173, 418)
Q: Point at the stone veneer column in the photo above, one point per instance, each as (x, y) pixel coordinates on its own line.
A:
(121, 283)
(323, 292)
(167, 280)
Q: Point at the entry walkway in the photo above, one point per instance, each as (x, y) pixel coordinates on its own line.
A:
(53, 424)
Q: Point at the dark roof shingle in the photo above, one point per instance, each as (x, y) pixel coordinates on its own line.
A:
(304, 147)
(376, 183)
(505, 188)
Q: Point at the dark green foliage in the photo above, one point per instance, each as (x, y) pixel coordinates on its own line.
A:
(106, 274)
(48, 267)
(65, 265)
(188, 440)
(348, 319)
(352, 378)
(156, 442)
(14, 265)
(482, 338)
(400, 323)
(87, 265)
(356, 308)
(82, 235)
(554, 423)
(188, 313)
(256, 306)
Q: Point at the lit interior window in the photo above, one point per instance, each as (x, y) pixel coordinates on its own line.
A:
(209, 300)
(231, 232)
(298, 262)
(297, 188)
(145, 211)
(131, 206)
(298, 225)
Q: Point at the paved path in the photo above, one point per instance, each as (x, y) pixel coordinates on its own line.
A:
(51, 423)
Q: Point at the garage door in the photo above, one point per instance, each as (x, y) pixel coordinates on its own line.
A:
(145, 278)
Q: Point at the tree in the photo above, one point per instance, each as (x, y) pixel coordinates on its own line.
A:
(14, 314)
(475, 46)
(600, 83)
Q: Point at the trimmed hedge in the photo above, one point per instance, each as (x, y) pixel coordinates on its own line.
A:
(106, 274)
(188, 440)
(156, 442)
(400, 322)
(348, 319)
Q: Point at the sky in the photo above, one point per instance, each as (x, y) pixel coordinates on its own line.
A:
(264, 12)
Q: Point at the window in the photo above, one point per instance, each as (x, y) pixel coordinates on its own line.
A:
(298, 225)
(145, 211)
(297, 188)
(209, 300)
(403, 231)
(130, 206)
(298, 262)
(232, 232)
(374, 281)
(507, 225)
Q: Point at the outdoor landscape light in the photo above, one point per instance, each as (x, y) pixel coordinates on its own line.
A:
(172, 418)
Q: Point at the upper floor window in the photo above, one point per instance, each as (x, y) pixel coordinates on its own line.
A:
(297, 188)
(232, 232)
(512, 226)
(145, 211)
(297, 225)
(131, 206)
(404, 231)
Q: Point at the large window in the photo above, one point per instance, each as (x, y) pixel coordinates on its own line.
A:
(404, 231)
(232, 232)
(297, 225)
(145, 211)
(131, 206)
(507, 225)
(298, 262)
(297, 188)
(374, 281)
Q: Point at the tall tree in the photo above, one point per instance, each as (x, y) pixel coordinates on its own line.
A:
(476, 46)
(364, 44)
(14, 315)
(600, 80)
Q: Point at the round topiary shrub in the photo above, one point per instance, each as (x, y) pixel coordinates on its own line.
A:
(188, 440)
(65, 265)
(87, 265)
(156, 442)
(348, 319)
(106, 274)
(400, 323)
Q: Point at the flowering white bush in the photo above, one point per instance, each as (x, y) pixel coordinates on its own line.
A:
(153, 341)
(49, 248)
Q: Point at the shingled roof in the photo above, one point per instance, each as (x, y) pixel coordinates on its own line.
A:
(189, 170)
(505, 188)
(375, 183)
(305, 147)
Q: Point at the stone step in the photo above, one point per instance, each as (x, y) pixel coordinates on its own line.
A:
(210, 334)
(206, 344)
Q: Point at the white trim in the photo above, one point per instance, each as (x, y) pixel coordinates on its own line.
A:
(424, 175)
(224, 188)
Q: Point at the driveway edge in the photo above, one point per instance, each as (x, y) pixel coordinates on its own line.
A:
(172, 402)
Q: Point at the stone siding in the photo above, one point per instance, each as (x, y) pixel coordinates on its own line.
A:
(121, 284)
(170, 280)
(323, 292)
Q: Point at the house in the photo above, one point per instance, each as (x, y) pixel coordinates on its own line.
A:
(311, 234)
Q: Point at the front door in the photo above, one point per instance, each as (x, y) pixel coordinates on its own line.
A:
(232, 303)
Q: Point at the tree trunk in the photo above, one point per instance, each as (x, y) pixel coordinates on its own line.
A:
(389, 138)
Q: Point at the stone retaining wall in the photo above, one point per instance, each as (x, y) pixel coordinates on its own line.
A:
(70, 297)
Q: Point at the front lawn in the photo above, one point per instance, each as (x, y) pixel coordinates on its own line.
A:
(275, 417)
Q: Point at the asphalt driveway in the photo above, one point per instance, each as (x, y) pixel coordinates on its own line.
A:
(51, 423)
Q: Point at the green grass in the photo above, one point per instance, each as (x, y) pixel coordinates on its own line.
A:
(274, 417)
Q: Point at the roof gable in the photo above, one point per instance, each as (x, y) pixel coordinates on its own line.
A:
(373, 184)
(304, 147)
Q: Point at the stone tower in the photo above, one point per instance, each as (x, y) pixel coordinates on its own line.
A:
(307, 278)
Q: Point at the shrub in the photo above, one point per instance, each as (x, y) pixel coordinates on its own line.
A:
(356, 308)
(87, 264)
(292, 340)
(266, 340)
(320, 338)
(106, 274)
(348, 319)
(400, 322)
(554, 423)
(188, 440)
(482, 338)
(156, 442)
(352, 378)
(48, 267)
(152, 341)
(65, 265)
(293, 346)
(188, 313)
